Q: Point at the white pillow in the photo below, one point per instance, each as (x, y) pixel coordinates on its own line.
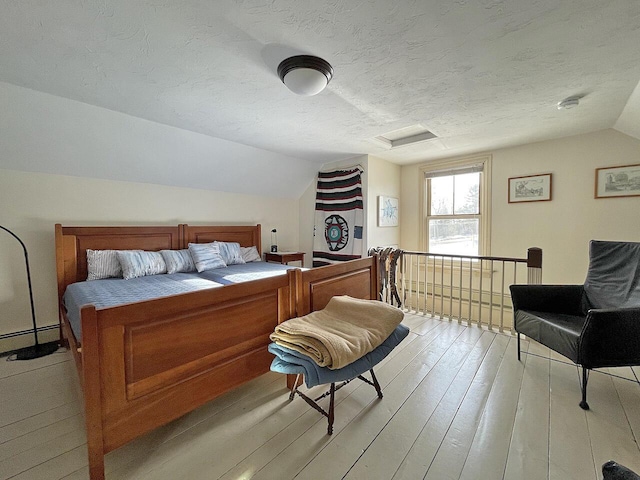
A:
(230, 252)
(102, 264)
(250, 254)
(206, 256)
(139, 264)
(178, 261)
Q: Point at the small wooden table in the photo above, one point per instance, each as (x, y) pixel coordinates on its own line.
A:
(284, 257)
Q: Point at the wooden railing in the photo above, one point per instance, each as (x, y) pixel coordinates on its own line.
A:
(470, 289)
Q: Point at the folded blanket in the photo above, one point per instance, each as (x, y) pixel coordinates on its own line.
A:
(289, 361)
(345, 330)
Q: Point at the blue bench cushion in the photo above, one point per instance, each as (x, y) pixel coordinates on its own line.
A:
(290, 362)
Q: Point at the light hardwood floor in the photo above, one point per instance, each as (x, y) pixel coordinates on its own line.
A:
(457, 405)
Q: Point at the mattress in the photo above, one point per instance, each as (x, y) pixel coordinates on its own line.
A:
(245, 272)
(111, 292)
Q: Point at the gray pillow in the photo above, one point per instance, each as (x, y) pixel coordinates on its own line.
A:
(102, 264)
(206, 256)
(230, 252)
(178, 261)
(250, 254)
(140, 264)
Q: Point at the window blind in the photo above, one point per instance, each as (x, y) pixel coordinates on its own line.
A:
(455, 171)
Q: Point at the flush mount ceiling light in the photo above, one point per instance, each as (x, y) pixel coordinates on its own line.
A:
(568, 103)
(305, 74)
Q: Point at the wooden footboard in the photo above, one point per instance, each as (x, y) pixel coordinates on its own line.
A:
(147, 363)
(315, 287)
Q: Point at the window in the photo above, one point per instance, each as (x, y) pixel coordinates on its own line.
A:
(455, 216)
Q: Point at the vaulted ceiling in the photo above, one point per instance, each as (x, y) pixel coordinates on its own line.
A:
(480, 74)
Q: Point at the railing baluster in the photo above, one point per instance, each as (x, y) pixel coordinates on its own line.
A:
(515, 280)
(491, 296)
(433, 288)
(502, 297)
(451, 289)
(426, 286)
(411, 281)
(460, 294)
(480, 296)
(403, 299)
(424, 289)
(470, 291)
(441, 286)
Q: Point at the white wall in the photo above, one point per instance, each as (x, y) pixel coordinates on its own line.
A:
(384, 179)
(561, 227)
(33, 202)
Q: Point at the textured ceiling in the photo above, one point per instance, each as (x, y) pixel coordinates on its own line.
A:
(480, 74)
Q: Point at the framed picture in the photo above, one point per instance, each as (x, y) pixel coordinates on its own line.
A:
(532, 188)
(387, 211)
(623, 181)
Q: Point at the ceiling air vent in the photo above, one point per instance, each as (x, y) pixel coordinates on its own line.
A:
(405, 136)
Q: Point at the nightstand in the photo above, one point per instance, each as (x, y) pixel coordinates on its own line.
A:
(284, 257)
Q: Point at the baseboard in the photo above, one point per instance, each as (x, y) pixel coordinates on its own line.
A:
(15, 340)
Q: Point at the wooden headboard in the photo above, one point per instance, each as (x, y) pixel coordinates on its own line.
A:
(246, 236)
(72, 243)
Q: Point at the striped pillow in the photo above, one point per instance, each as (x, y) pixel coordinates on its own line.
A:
(140, 263)
(230, 252)
(178, 261)
(102, 264)
(250, 254)
(206, 256)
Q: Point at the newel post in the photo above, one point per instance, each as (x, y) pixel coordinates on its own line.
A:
(534, 266)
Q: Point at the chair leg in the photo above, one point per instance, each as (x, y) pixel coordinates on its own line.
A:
(585, 378)
(518, 333)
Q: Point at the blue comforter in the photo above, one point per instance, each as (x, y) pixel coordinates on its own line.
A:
(117, 291)
(291, 362)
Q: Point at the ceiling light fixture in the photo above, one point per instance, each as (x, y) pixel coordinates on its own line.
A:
(568, 103)
(305, 74)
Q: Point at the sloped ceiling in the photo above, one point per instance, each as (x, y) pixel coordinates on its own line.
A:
(480, 74)
(629, 121)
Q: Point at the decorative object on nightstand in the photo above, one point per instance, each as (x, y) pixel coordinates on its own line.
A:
(284, 257)
(274, 240)
(38, 350)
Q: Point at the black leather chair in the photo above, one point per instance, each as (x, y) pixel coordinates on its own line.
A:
(614, 471)
(594, 325)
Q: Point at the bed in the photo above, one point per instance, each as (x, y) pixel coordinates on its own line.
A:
(144, 364)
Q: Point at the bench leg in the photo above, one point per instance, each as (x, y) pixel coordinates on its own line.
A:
(585, 378)
(294, 381)
(331, 408)
(293, 385)
(518, 333)
(329, 413)
(376, 384)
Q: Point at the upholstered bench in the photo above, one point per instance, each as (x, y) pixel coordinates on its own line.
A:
(291, 362)
(339, 343)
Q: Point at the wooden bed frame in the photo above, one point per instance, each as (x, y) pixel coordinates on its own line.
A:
(144, 364)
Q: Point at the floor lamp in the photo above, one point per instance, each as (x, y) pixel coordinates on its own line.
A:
(38, 350)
